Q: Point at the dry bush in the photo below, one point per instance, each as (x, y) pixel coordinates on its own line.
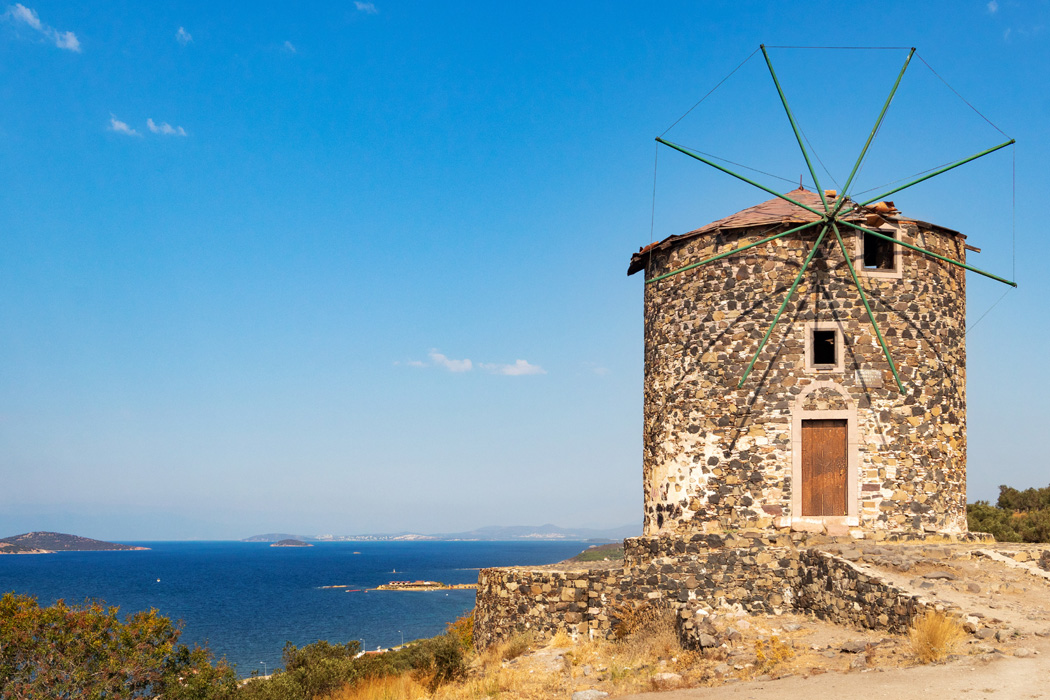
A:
(934, 636)
(771, 653)
(400, 687)
(561, 640)
(516, 645)
(631, 618)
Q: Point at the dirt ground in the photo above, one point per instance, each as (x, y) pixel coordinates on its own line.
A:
(1004, 604)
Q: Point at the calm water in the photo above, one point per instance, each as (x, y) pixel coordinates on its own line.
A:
(246, 599)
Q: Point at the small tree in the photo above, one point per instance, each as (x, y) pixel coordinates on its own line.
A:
(87, 653)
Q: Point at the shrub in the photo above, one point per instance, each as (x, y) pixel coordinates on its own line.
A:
(463, 630)
(769, 654)
(86, 651)
(630, 619)
(934, 636)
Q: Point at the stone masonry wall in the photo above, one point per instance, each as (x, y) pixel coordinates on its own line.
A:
(717, 458)
(761, 579)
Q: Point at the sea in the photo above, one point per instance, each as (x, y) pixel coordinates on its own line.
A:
(245, 600)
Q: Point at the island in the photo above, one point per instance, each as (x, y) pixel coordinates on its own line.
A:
(423, 586)
(291, 543)
(50, 542)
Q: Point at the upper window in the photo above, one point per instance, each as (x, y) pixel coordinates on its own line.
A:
(876, 256)
(824, 348)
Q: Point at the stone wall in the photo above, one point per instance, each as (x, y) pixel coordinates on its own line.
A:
(717, 458)
(759, 578)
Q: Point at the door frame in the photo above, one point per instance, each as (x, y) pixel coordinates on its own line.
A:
(831, 523)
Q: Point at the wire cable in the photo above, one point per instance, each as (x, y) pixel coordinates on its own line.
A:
(711, 91)
(740, 165)
(961, 97)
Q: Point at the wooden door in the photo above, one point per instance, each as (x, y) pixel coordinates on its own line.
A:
(823, 467)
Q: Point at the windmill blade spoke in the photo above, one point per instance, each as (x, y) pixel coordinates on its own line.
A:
(916, 248)
(731, 252)
(791, 293)
(794, 127)
(867, 306)
(874, 130)
(939, 171)
(727, 171)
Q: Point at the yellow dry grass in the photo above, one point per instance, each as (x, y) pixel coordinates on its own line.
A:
(934, 636)
(403, 687)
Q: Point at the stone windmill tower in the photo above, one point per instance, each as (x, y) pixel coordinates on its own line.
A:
(805, 366)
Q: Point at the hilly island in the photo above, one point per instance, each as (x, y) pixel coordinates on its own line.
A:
(50, 542)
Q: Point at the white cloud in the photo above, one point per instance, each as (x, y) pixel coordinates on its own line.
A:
(366, 7)
(63, 40)
(440, 360)
(993, 7)
(121, 127)
(437, 359)
(289, 47)
(68, 41)
(22, 13)
(165, 128)
(183, 37)
(519, 369)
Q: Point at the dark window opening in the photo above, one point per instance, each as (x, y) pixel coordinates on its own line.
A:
(878, 253)
(825, 351)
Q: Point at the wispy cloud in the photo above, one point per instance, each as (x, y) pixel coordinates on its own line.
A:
(165, 128)
(595, 368)
(519, 369)
(993, 7)
(184, 37)
(121, 127)
(63, 40)
(439, 360)
(289, 47)
(367, 7)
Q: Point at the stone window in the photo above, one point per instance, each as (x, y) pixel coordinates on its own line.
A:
(878, 254)
(824, 346)
(877, 257)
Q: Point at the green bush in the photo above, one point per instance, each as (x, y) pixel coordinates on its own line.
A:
(321, 668)
(1018, 516)
(87, 653)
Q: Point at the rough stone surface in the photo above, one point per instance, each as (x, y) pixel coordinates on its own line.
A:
(718, 457)
(756, 578)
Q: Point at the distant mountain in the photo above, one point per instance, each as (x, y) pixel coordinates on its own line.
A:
(493, 533)
(47, 542)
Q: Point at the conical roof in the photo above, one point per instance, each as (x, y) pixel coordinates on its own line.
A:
(773, 213)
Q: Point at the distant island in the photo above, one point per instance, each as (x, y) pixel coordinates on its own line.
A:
(423, 586)
(50, 542)
(541, 533)
(291, 543)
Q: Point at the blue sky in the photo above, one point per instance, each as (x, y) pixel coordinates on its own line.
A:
(350, 267)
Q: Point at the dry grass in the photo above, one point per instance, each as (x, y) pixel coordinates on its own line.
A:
(403, 687)
(934, 636)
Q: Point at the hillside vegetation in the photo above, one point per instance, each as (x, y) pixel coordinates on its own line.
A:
(1017, 516)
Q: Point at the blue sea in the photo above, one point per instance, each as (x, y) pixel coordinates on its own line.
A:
(246, 599)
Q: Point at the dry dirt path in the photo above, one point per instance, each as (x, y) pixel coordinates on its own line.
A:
(967, 678)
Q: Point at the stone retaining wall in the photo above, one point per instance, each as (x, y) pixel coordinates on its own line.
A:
(759, 578)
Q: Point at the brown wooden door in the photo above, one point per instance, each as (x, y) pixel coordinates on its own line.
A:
(823, 467)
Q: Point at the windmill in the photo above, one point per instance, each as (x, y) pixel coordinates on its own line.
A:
(833, 218)
(830, 441)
